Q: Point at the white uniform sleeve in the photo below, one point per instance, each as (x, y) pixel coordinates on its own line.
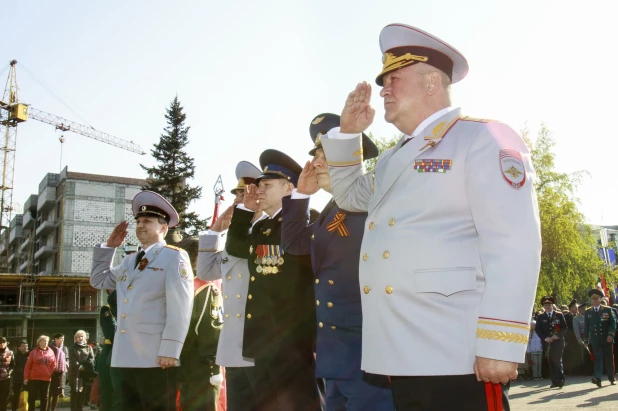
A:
(507, 221)
(179, 303)
(351, 189)
(103, 275)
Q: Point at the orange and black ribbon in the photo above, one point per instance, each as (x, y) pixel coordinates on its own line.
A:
(337, 224)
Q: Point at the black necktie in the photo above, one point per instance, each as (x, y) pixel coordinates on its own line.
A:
(406, 141)
(139, 257)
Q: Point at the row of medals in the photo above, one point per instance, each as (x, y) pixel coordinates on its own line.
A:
(268, 265)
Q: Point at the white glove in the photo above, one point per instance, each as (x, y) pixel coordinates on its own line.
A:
(216, 379)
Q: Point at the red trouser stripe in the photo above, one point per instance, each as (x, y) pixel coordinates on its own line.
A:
(493, 392)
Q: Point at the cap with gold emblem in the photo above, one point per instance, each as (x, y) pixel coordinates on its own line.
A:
(404, 45)
(246, 173)
(278, 165)
(148, 203)
(323, 123)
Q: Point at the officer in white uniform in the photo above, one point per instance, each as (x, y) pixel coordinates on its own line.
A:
(451, 250)
(214, 263)
(155, 297)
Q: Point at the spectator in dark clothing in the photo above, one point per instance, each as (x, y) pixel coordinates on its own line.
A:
(7, 364)
(21, 357)
(56, 386)
(81, 359)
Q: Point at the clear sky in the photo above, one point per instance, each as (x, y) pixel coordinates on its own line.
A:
(251, 75)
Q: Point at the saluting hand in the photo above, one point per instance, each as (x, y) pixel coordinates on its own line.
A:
(250, 200)
(308, 180)
(224, 220)
(357, 114)
(494, 371)
(117, 236)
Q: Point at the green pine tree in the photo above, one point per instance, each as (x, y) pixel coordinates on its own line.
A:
(174, 168)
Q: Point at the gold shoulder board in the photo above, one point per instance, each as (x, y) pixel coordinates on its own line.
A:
(173, 247)
(477, 120)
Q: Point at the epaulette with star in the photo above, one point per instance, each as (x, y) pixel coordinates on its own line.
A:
(173, 247)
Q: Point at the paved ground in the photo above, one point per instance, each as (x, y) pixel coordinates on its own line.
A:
(578, 393)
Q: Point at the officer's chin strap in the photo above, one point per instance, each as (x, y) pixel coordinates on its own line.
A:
(203, 309)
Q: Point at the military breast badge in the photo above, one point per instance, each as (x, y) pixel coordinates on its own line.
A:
(269, 259)
(142, 264)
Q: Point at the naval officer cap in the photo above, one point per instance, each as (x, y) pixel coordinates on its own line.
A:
(278, 165)
(548, 299)
(403, 45)
(594, 291)
(151, 204)
(323, 123)
(573, 303)
(246, 173)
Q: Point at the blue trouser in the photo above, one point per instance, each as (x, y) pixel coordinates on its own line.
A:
(357, 395)
(603, 355)
(556, 349)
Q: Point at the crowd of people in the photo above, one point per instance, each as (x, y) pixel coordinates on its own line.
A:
(44, 372)
(578, 339)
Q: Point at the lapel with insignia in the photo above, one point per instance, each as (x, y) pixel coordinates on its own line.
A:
(404, 157)
(151, 255)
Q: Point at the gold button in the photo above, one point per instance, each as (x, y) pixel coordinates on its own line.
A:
(124, 316)
(130, 287)
(121, 331)
(331, 282)
(312, 237)
(252, 278)
(317, 281)
(332, 327)
(371, 225)
(329, 304)
(386, 254)
(389, 289)
(249, 296)
(225, 296)
(237, 295)
(366, 289)
(321, 325)
(126, 301)
(229, 277)
(364, 256)
(237, 315)
(391, 222)
(249, 316)
(239, 275)
(317, 302)
(227, 316)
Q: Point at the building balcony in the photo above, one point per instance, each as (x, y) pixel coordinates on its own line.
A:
(16, 234)
(24, 267)
(28, 220)
(13, 256)
(24, 246)
(45, 228)
(31, 203)
(43, 252)
(47, 199)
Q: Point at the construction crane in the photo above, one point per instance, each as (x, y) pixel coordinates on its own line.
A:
(14, 112)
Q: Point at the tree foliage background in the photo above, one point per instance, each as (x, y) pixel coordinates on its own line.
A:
(174, 168)
(570, 263)
(383, 144)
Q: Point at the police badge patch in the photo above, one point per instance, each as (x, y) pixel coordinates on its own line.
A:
(512, 167)
(183, 270)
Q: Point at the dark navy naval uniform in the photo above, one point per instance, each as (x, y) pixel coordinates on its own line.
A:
(547, 326)
(279, 330)
(600, 323)
(334, 242)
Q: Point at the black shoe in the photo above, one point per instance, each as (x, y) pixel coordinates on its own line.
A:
(613, 382)
(553, 386)
(597, 382)
(561, 384)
